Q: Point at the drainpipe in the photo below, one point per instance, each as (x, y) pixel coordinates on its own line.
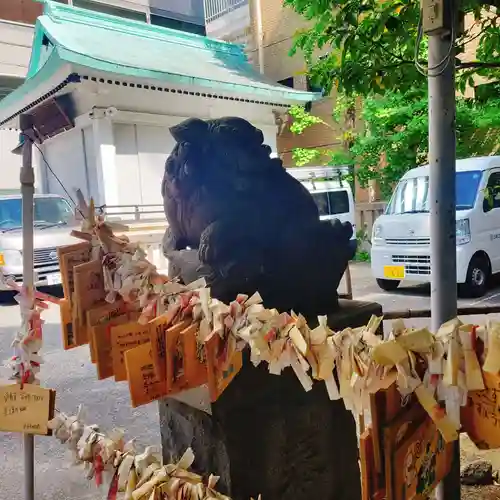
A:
(260, 33)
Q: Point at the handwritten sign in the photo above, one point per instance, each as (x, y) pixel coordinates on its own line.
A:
(103, 313)
(27, 410)
(421, 462)
(101, 338)
(157, 329)
(143, 383)
(69, 257)
(123, 338)
(68, 337)
(481, 417)
(222, 366)
(89, 291)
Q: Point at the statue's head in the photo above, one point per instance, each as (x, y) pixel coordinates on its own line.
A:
(224, 150)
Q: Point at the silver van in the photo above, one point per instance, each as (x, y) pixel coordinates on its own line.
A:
(54, 218)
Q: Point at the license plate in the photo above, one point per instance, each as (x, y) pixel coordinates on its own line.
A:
(54, 279)
(394, 272)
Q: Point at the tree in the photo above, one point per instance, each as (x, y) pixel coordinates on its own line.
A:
(375, 46)
(396, 127)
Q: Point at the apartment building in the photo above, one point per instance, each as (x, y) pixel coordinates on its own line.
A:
(17, 18)
(267, 29)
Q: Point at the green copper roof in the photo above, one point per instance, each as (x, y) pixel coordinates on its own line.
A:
(118, 46)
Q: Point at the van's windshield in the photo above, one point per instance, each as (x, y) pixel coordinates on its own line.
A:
(331, 202)
(48, 212)
(412, 195)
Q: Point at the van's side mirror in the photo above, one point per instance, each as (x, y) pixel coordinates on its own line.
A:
(487, 205)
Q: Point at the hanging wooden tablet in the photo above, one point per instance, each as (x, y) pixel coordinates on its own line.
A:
(89, 291)
(157, 330)
(420, 462)
(176, 373)
(385, 405)
(223, 363)
(68, 337)
(195, 365)
(70, 256)
(394, 434)
(123, 338)
(481, 417)
(103, 313)
(143, 383)
(367, 465)
(101, 336)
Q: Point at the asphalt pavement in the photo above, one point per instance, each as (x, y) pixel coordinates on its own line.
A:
(107, 403)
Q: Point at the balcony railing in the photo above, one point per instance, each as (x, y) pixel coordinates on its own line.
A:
(217, 8)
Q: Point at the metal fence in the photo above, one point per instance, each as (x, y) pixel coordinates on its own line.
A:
(217, 8)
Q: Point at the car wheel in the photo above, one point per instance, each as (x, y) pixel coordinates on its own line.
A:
(388, 285)
(478, 275)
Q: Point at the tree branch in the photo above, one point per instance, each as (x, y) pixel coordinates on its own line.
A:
(478, 64)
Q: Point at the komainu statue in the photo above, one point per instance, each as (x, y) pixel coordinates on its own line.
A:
(237, 218)
(240, 220)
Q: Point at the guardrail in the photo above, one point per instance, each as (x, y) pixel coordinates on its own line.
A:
(139, 212)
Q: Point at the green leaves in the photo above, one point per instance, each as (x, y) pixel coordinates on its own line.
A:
(302, 119)
(395, 135)
(372, 43)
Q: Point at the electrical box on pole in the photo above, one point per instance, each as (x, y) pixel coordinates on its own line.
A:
(436, 17)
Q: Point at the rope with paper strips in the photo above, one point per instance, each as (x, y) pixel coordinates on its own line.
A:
(138, 476)
(364, 363)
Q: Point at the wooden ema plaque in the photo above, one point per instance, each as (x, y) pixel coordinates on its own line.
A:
(68, 337)
(123, 338)
(89, 291)
(101, 337)
(416, 456)
(385, 406)
(103, 313)
(195, 365)
(143, 383)
(368, 472)
(157, 330)
(176, 373)
(69, 257)
(420, 462)
(481, 417)
(27, 409)
(223, 364)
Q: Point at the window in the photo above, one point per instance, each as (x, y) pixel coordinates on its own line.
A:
(287, 82)
(167, 22)
(412, 195)
(8, 84)
(492, 193)
(48, 212)
(331, 202)
(112, 11)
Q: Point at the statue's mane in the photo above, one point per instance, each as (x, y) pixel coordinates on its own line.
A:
(226, 150)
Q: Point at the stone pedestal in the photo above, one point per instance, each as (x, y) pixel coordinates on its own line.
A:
(266, 435)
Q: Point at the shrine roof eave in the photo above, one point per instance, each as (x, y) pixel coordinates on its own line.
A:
(76, 41)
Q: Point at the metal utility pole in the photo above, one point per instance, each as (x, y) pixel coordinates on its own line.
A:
(439, 23)
(27, 179)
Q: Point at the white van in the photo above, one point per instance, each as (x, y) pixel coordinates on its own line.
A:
(401, 237)
(331, 192)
